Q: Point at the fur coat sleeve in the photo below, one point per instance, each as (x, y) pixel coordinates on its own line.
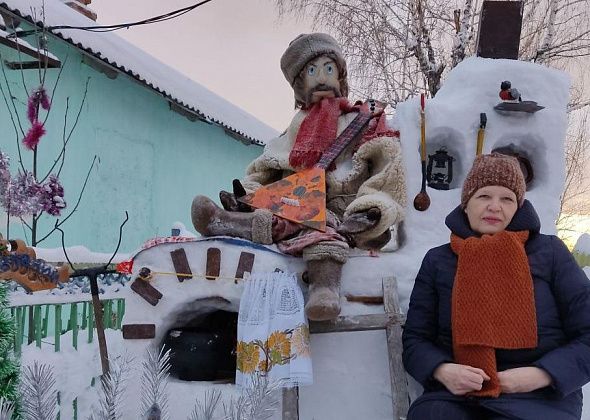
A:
(384, 186)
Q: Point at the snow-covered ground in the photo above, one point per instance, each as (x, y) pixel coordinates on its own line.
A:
(351, 374)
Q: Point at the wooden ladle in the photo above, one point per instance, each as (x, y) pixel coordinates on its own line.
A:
(422, 200)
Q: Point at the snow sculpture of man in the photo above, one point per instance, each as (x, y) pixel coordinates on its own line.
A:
(365, 185)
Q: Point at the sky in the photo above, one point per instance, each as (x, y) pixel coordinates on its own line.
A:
(232, 47)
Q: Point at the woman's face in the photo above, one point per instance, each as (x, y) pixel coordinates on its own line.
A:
(491, 209)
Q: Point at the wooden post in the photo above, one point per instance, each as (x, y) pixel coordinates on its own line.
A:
(291, 403)
(96, 304)
(399, 384)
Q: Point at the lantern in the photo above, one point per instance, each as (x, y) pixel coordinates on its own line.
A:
(439, 172)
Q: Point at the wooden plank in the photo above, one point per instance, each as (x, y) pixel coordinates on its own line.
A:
(23, 324)
(108, 309)
(290, 403)
(23, 48)
(57, 327)
(213, 263)
(33, 65)
(45, 322)
(356, 323)
(144, 289)
(120, 312)
(74, 324)
(245, 264)
(19, 330)
(90, 325)
(181, 265)
(367, 300)
(14, 321)
(84, 315)
(37, 330)
(31, 327)
(139, 331)
(399, 384)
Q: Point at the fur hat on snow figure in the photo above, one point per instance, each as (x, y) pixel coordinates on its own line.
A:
(302, 50)
(494, 169)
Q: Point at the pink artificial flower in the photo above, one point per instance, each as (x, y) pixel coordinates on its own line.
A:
(33, 136)
(38, 97)
(32, 111)
(44, 99)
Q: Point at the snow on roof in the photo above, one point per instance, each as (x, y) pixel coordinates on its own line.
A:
(116, 51)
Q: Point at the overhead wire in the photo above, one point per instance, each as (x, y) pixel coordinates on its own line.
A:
(110, 28)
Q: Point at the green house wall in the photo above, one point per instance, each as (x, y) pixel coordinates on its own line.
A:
(151, 161)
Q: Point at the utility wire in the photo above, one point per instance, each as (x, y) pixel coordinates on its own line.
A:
(110, 28)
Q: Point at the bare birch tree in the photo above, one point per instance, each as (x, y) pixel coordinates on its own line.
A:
(398, 48)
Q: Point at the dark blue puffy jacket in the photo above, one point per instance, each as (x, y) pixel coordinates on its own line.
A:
(562, 300)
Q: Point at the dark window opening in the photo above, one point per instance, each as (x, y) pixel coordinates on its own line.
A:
(204, 349)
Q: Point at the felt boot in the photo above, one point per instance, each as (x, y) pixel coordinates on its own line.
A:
(323, 302)
(211, 220)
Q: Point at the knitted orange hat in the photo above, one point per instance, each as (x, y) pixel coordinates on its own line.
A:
(494, 169)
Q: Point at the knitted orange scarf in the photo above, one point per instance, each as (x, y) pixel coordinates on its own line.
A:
(493, 304)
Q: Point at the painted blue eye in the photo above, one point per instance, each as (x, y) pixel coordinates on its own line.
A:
(330, 69)
(311, 70)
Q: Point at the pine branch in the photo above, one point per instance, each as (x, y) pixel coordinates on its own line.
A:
(256, 401)
(154, 381)
(206, 410)
(6, 409)
(39, 397)
(112, 390)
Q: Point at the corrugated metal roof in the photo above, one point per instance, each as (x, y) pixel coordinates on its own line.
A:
(115, 51)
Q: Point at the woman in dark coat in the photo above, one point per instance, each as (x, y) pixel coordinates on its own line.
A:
(499, 320)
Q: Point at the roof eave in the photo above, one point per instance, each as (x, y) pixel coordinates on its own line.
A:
(234, 133)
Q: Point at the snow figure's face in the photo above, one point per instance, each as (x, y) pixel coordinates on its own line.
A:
(491, 209)
(320, 80)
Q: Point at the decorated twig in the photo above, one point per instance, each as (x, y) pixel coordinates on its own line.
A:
(92, 273)
(31, 181)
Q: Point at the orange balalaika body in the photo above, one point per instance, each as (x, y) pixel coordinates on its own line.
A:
(301, 197)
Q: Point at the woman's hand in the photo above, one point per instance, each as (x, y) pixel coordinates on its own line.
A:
(524, 379)
(460, 379)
